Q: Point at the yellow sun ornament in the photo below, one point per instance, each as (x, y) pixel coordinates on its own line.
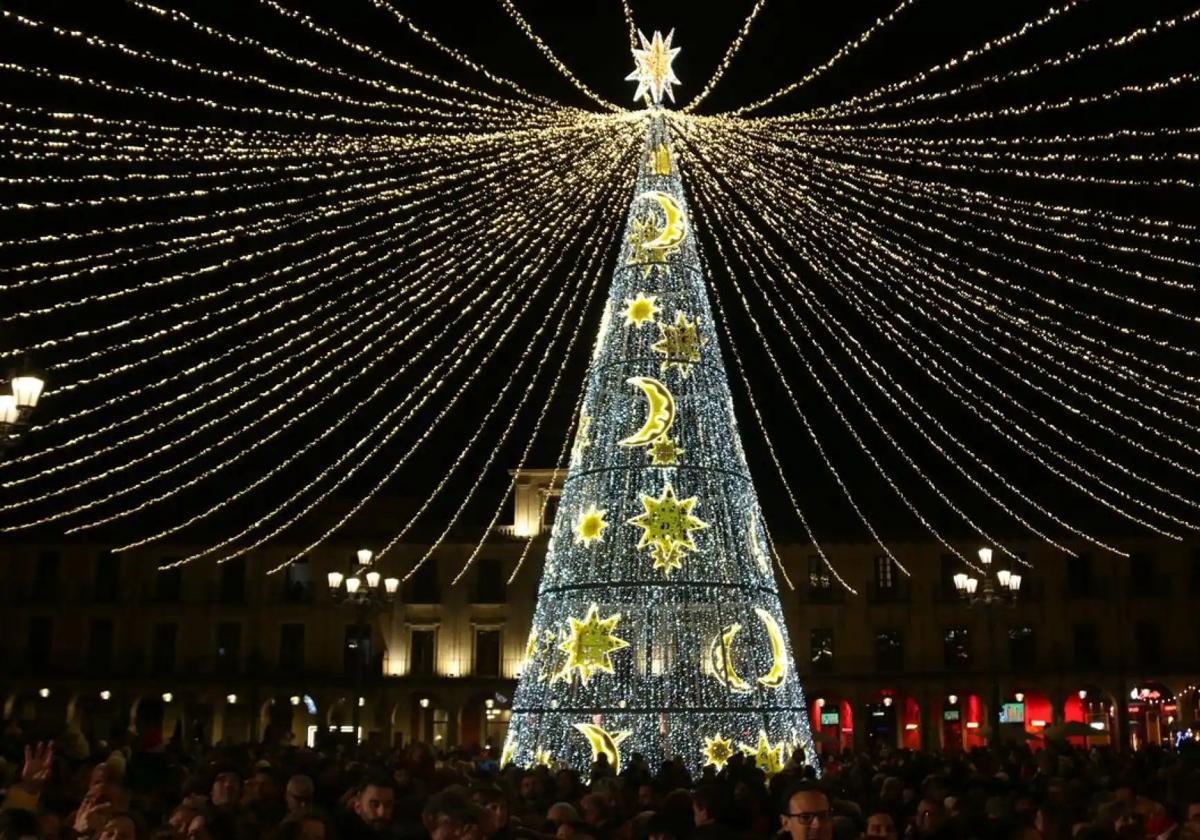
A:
(590, 645)
(717, 751)
(590, 527)
(641, 310)
(679, 344)
(667, 527)
(664, 452)
(766, 757)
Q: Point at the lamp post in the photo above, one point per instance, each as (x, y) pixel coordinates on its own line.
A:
(988, 595)
(17, 406)
(366, 592)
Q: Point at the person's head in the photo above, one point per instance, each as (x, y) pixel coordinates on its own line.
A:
(494, 807)
(226, 788)
(881, 824)
(1192, 814)
(709, 804)
(299, 793)
(120, 825)
(262, 787)
(450, 816)
(375, 801)
(806, 813)
(303, 825)
(531, 787)
(18, 824)
(930, 815)
(561, 818)
(596, 809)
(647, 797)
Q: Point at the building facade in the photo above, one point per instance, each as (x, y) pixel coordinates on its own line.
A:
(1104, 645)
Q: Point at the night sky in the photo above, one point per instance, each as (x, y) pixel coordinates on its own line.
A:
(787, 39)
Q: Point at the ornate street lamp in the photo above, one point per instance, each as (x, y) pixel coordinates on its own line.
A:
(988, 594)
(367, 592)
(17, 406)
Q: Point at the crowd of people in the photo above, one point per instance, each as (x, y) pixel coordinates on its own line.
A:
(257, 792)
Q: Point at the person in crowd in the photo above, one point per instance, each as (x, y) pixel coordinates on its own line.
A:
(807, 813)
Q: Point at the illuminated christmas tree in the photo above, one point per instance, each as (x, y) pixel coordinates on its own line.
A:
(658, 627)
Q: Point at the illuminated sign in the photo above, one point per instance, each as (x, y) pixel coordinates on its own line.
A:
(830, 719)
(950, 715)
(1012, 713)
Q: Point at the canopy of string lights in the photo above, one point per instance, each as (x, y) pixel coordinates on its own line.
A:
(270, 263)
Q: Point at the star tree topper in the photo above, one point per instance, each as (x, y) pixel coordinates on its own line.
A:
(653, 72)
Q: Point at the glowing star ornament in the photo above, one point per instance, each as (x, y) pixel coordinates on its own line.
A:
(590, 527)
(717, 751)
(542, 758)
(652, 70)
(664, 452)
(667, 558)
(667, 527)
(679, 344)
(641, 310)
(590, 644)
(766, 757)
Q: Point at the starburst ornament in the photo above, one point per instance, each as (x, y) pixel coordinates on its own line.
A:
(680, 344)
(590, 527)
(717, 751)
(641, 309)
(766, 757)
(667, 527)
(652, 70)
(590, 644)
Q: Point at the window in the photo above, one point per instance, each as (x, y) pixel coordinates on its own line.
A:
(885, 575)
(489, 581)
(357, 650)
(233, 581)
(162, 651)
(551, 509)
(820, 647)
(107, 583)
(889, 650)
(1087, 648)
(229, 647)
(421, 656)
(956, 649)
(1079, 576)
(100, 645)
(425, 588)
(291, 647)
(168, 583)
(45, 577)
(1148, 644)
(487, 653)
(1143, 577)
(298, 582)
(820, 582)
(1022, 652)
(40, 644)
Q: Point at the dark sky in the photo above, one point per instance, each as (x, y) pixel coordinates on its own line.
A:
(787, 39)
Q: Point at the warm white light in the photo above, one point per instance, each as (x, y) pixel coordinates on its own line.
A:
(352, 584)
(1098, 725)
(985, 556)
(373, 579)
(335, 579)
(820, 702)
(105, 694)
(1020, 696)
(231, 699)
(972, 585)
(1038, 723)
(26, 390)
(364, 556)
(887, 701)
(1133, 694)
(8, 409)
(43, 693)
(1003, 576)
(424, 702)
(167, 697)
(952, 699)
(1014, 583)
(960, 582)
(1083, 694)
(972, 724)
(910, 726)
(294, 700)
(489, 703)
(362, 701)
(391, 585)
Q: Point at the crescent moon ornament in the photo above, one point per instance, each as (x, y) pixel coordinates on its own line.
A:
(660, 414)
(603, 743)
(720, 661)
(778, 673)
(675, 227)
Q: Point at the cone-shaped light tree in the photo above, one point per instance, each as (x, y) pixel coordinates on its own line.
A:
(658, 627)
